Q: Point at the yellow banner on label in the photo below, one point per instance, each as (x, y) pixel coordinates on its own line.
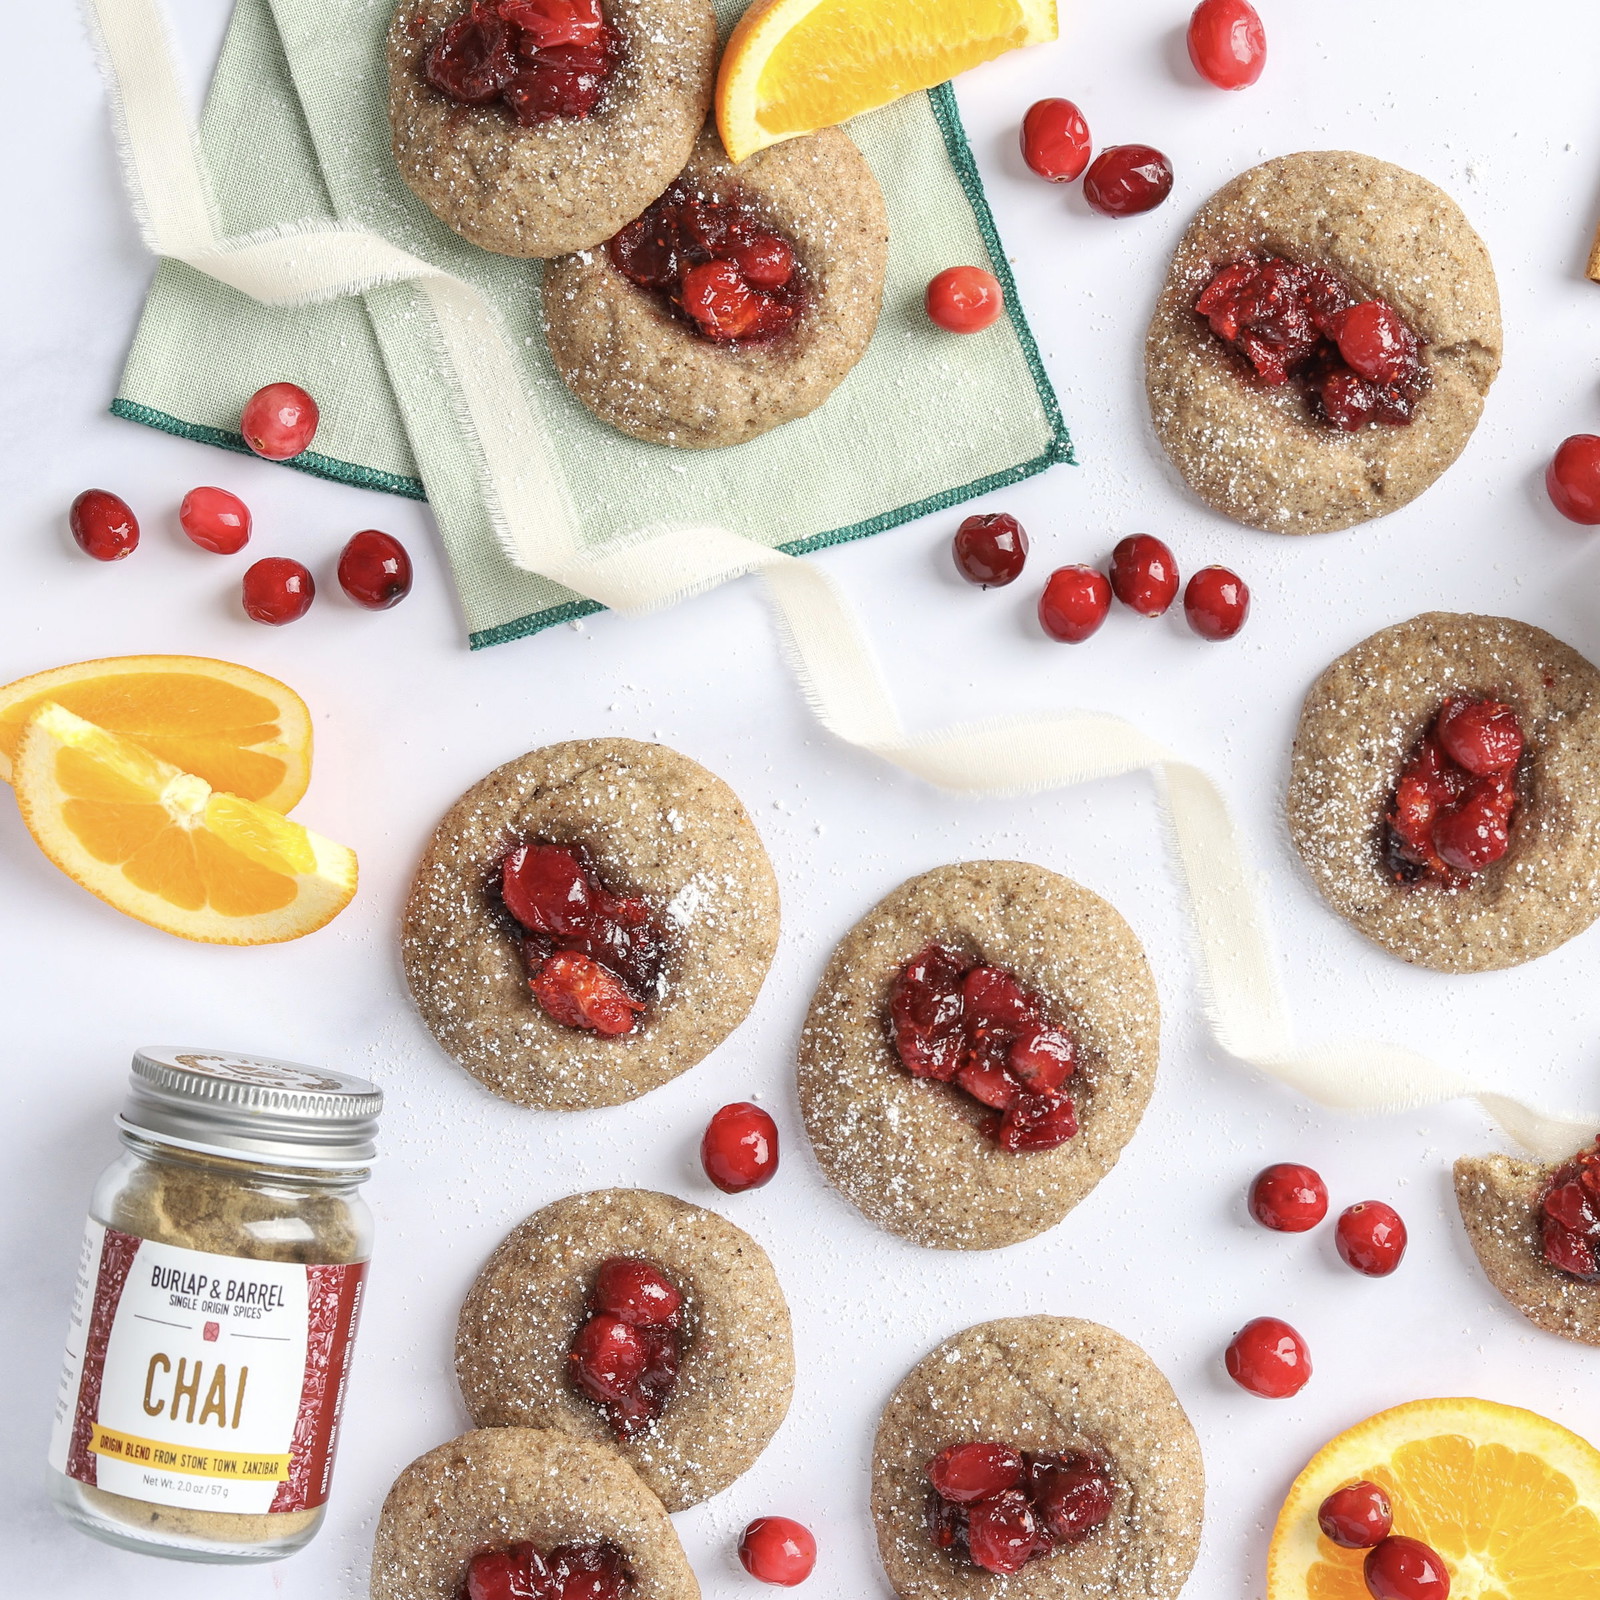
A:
(199, 1463)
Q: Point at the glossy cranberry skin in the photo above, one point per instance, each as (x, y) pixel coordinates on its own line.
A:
(636, 1292)
(778, 1550)
(1227, 43)
(1074, 603)
(1055, 140)
(1216, 603)
(1371, 1238)
(215, 520)
(966, 1473)
(103, 525)
(1268, 1358)
(1288, 1198)
(990, 549)
(740, 1148)
(1127, 179)
(1144, 574)
(374, 570)
(965, 300)
(279, 421)
(1357, 1516)
(278, 590)
(1482, 736)
(1002, 1532)
(1573, 479)
(1405, 1569)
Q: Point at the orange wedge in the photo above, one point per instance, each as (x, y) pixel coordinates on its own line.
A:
(793, 66)
(1510, 1499)
(240, 730)
(161, 845)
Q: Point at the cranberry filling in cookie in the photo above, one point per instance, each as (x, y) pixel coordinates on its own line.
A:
(569, 1572)
(1354, 360)
(593, 958)
(542, 59)
(1453, 806)
(714, 264)
(1569, 1217)
(1001, 1508)
(963, 1022)
(625, 1356)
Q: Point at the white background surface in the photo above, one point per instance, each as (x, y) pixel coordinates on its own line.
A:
(1506, 115)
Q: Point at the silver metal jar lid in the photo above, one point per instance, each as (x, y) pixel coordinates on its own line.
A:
(252, 1107)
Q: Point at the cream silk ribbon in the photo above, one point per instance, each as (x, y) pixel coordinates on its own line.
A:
(655, 567)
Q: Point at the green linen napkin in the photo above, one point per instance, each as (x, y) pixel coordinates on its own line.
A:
(296, 127)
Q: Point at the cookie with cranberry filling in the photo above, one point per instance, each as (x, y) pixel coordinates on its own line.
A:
(1445, 791)
(535, 127)
(981, 1046)
(505, 1499)
(636, 1320)
(589, 921)
(1091, 1482)
(740, 301)
(1323, 343)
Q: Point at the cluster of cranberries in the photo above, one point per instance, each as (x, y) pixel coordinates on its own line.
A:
(963, 1022)
(1360, 1517)
(1573, 479)
(1001, 1508)
(593, 958)
(1267, 1356)
(991, 549)
(1569, 1217)
(569, 1572)
(1453, 805)
(625, 1356)
(1122, 181)
(713, 263)
(540, 59)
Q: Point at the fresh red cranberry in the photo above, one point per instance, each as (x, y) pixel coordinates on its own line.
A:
(1288, 1198)
(1371, 1238)
(1405, 1569)
(636, 1292)
(1074, 603)
(278, 590)
(964, 1473)
(1055, 140)
(1483, 736)
(628, 1367)
(607, 1358)
(103, 525)
(965, 300)
(1573, 479)
(215, 520)
(519, 1573)
(1374, 340)
(1216, 603)
(374, 570)
(580, 993)
(1144, 574)
(1002, 1532)
(1072, 1494)
(1357, 1516)
(778, 1550)
(991, 549)
(279, 421)
(1268, 1358)
(1127, 179)
(740, 1148)
(1227, 43)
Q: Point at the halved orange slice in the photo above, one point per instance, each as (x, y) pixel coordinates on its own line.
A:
(1510, 1499)
(241, 731)
(161, 845)
(793, 66)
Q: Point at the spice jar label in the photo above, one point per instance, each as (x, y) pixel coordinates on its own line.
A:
(204, 1380)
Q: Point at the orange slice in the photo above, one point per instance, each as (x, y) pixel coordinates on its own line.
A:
(161, 845)
(793, 66)
(1510, 1499)
(240, 730)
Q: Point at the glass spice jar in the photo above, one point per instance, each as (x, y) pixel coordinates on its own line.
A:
(218, 1293)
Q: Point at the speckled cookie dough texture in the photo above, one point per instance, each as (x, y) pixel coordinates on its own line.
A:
(1255, 453)
(1499, 1199)
(1046, 1384)
(505, 1486)
(910, 1153)
(650, 375)
(737, 1370)
(658, 825)
(1361, 721)
(571, 182)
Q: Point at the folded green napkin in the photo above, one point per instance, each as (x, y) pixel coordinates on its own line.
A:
(296, 128)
